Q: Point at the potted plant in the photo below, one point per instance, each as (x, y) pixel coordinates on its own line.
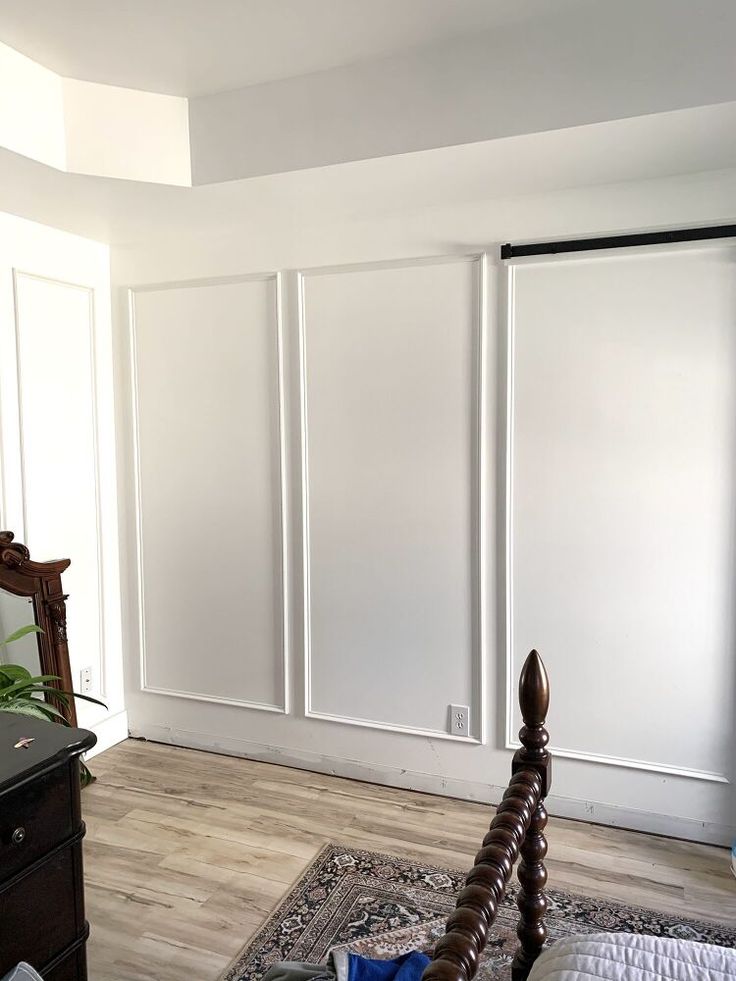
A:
(22, 693)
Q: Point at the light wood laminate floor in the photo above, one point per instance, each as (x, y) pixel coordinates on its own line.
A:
(188, 852)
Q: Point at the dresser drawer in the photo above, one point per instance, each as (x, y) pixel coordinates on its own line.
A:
(72, 968)
(35, 818)
(41, 913)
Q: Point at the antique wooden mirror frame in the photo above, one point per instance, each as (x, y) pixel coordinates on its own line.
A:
(41, 583)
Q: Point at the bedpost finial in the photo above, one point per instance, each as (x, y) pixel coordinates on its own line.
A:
(534, 702)
(534, 691)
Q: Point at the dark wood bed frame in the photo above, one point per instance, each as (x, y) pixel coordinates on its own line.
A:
(517, 829)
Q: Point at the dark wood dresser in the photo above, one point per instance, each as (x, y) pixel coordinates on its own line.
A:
(41, 830)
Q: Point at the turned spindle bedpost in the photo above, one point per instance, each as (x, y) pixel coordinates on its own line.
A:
(517, 828)
(532, 902)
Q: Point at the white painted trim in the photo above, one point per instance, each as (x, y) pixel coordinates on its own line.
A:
(304, 487)
(510, 742)
(3, 506)
(508, 513)
(195, 696)
(283, 501)
(93, 367)
(676, 771)
(350, 720)
(109, 732)
(283, 476)
(10, 449)
(3, 460)
(375, 265)
(183, 284)
(482, 502)
(478, 478)
(431, 783)
(137, 508)
(16, 315)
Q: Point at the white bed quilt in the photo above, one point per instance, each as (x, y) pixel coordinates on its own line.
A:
(633, 957)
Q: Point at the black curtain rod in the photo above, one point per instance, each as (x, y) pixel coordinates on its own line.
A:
(509, 251)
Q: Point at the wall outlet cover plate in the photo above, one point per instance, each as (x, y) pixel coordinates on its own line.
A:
(459, 720)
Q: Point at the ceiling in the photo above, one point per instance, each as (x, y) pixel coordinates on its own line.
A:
(200, 47)
(494, 174)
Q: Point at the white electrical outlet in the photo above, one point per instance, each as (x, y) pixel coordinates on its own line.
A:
(459, 720)
(85, 681)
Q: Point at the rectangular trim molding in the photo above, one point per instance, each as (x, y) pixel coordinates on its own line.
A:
(284, 708)
(510, 739)
(480, 484)
(19, 274)
(635, 239)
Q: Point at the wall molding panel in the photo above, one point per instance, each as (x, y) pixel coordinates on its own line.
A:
(146, 685)
(479, 494)
(366, 291)
(513, 658)
(20, 276)
(215, 699)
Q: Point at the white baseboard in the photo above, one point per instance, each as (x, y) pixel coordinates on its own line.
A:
(109, 732)
(390, 776)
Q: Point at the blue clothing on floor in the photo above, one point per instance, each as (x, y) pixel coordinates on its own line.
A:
(408, 967)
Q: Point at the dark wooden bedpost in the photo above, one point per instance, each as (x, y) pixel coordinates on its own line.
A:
(517, 829)
(532, 902)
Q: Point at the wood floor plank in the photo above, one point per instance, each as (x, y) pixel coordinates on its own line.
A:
(229, 828)
(188, 852)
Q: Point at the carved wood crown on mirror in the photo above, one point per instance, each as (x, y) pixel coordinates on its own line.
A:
(41, 583)
(517, 829)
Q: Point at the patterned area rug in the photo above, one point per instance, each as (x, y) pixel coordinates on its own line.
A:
(381, 906)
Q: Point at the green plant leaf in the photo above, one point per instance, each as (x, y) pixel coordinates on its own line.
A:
(87, 698)
(32, 628)
(26, 683)
(29, 707)
(43, 706)
(48, 710)
(17, 683)
(14, 672)
(63, 696)
(52, 715)
(29, 692)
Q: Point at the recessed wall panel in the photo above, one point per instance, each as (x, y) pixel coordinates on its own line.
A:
(55, 338)
(210, 539)
(623, 505)
(390, 375)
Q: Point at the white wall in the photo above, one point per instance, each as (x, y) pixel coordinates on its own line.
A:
(117, 132)
(622, 511)
(57, 445)
(361, 346)
(312, 411)
(207, 369)
(31, 109)
(598, 61)
(540, 67)
(86, 128)
(390, 428)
